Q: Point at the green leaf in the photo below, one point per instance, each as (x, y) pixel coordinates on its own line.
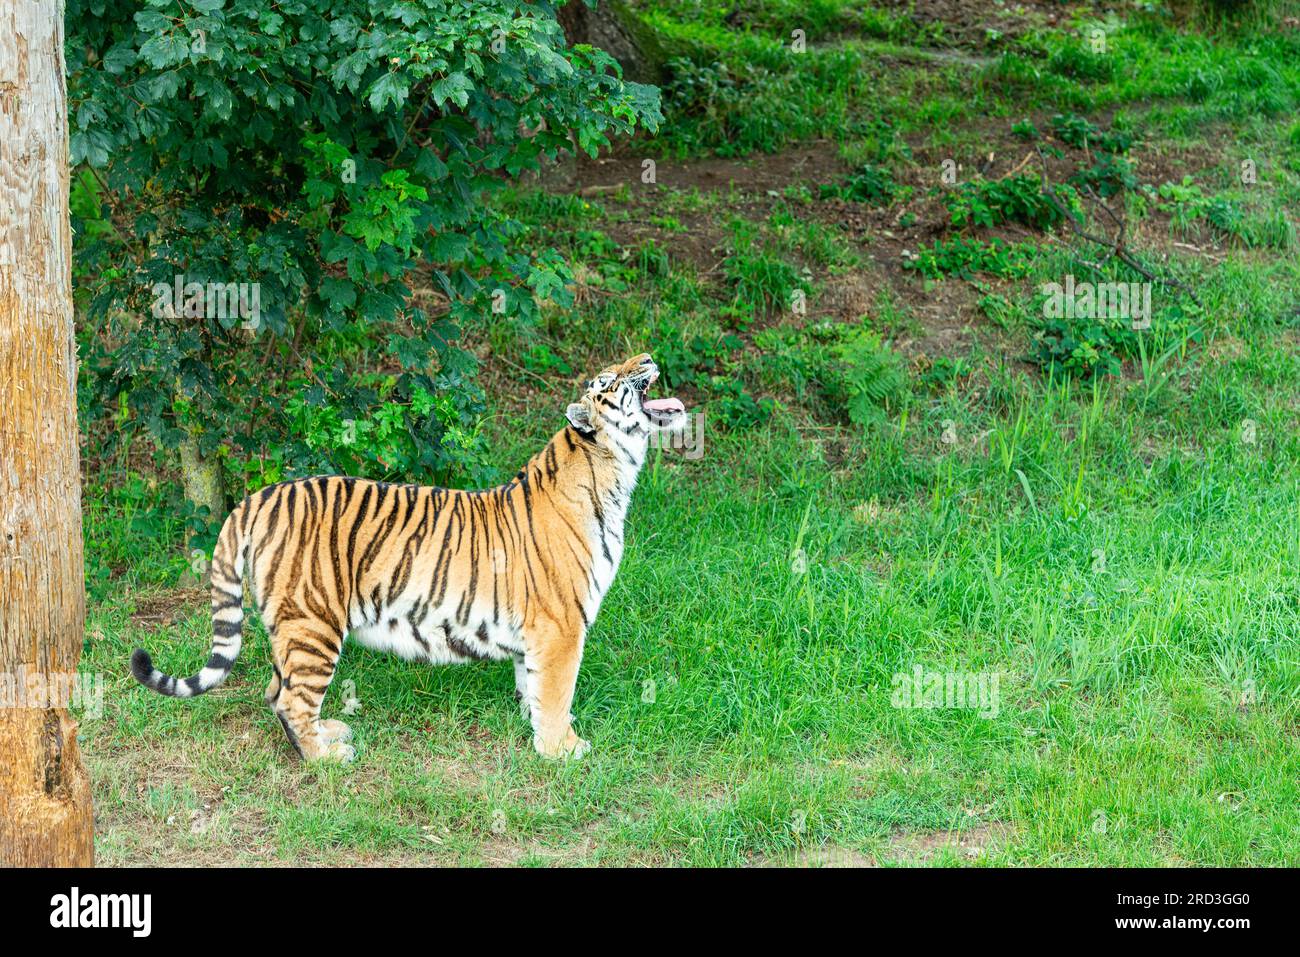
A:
(455, 87)
(389, 88)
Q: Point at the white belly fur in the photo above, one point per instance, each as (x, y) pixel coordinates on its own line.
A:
(440, 638)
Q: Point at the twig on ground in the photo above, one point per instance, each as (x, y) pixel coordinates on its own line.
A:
(1118, 245)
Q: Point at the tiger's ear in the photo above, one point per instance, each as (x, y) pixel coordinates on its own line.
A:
(579, 417)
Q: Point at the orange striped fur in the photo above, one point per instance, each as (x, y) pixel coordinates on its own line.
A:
(515, 572)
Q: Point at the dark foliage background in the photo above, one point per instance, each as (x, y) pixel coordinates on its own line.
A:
(342, 156)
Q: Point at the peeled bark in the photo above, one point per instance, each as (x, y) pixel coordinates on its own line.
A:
(45, 810)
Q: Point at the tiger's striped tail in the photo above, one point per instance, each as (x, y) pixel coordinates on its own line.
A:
(227, 617)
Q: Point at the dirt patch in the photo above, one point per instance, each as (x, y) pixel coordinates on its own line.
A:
(503, 851)
(833, 856)
(920, 847)
(161, 609)
(752, 187)
(470, 767)
(814, 162)
(688, 209)
(947, 314)
(507, 853)
(983, 23)
(906, 847)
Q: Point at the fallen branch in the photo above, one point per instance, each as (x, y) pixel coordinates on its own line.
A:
(1118, 246)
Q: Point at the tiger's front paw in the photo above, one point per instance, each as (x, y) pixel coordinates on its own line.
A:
(336, 752)
(571, 746)
(335, 731)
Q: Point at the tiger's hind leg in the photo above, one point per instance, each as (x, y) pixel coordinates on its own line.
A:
(273, 689)
(306, 654)
(521, 688)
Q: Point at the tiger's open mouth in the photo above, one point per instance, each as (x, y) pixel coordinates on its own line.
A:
(662, 412)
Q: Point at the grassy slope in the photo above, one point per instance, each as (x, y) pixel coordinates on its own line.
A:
(1148, 711)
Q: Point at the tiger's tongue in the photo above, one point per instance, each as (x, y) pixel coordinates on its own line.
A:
(663, 405)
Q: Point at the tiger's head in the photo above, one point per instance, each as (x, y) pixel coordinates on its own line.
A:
(614, 411)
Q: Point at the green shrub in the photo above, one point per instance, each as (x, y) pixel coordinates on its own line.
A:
(1079, 131)
(1074, 58)
(1026, 130)
(691, 360)
(867, 378)
(1108, 176)
(1077, 348)
(1017, 199)
(844, 369)
(334, 156)
(870, 184)
(760, 277)
(1084, 348)
(735, 408)
(965, 258)
(696, 90)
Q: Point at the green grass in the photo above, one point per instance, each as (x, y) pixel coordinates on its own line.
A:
(1122, 554)
(1122, 687)
(736, 91)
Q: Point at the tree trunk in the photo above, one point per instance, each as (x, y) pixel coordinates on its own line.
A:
(203, 486)
(202, 478)
(200, 474)
(45, 811)
(616, 29)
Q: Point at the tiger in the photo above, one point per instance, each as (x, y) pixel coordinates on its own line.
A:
(446, 576)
